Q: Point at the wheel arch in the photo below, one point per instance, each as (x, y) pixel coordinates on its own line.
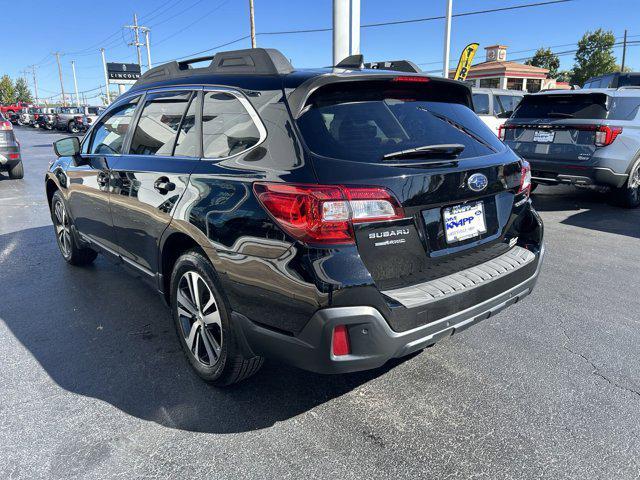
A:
(51, 188)
(174, 244)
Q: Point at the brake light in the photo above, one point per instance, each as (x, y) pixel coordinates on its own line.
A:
(5, 125)
(325, 213)
(14, 156)
(340, 341)
(525, 179)
(605, 135)
(410, 79)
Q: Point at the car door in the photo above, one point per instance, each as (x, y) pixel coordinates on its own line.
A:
(150, 179)
(89, 177)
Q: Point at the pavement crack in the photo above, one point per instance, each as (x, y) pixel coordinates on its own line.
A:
(594, 368)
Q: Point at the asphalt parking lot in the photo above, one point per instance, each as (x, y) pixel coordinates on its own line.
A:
(93, 383)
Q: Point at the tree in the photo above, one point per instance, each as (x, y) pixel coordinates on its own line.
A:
(7, 91)
(565, 76)
(22, 92)
(545, 58)
(594, 56)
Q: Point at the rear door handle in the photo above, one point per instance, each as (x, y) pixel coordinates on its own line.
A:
(164, 186)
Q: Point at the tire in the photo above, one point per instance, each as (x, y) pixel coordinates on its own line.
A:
(62, 223)
(209, 339)
(73, 128)
(48, 126)
(628, 196)
(17, 171)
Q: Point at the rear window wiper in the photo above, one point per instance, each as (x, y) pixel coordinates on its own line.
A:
(446, 150)
(560, 115)
(460, 127)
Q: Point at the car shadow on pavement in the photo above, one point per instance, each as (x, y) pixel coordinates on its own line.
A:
(593, 210)
(101, 333)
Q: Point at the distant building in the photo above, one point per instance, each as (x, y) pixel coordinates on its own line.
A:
(497, 72)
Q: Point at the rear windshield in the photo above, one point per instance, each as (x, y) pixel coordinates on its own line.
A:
(364, 123)
(594, 106)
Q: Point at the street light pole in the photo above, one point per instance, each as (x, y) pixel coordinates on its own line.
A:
(252, 20)
(624, 50)
(75, 82)
(447, 40)
(346, 29)
(146, 39)
(106, 76)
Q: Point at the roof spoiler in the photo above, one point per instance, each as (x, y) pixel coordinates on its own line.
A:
(262, 61)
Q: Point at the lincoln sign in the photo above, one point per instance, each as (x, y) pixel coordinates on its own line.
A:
(123, 72)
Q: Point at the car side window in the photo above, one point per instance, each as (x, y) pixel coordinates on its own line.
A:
(481, 103)
(227, 126)
(159, 121)
(188, 143)
(108, 136)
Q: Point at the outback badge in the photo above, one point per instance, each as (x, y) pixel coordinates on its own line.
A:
(478, 182)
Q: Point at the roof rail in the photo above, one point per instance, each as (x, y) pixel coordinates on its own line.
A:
(261, 61)
(397, 65)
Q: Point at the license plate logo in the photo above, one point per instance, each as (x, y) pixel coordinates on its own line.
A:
(464, 221)
(543, 136)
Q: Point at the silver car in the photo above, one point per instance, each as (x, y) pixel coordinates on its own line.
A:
(587, 137)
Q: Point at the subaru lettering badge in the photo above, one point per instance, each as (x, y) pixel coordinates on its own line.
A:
(477, 182)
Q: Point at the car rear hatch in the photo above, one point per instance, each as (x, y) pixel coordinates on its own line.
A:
(416, 137)
(565, 128)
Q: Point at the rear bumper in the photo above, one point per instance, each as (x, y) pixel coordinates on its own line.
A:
(372, 340)
(5, 161)
(548, 173)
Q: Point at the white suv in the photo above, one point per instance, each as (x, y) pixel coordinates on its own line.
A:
(494, 105)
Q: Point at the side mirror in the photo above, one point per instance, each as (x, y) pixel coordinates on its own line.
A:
(67, 147)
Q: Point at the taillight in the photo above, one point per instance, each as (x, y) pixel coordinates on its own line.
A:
(78, 119)
(340, 341)
(525, 178)
(5, 125)
(14, 156)
(605, 135)
(325, 213)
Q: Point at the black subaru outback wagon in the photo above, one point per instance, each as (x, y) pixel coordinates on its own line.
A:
(332, 218)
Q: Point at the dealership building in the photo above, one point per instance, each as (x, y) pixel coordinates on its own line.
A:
(497, 72)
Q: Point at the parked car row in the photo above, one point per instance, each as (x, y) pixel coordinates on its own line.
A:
(71, 119)
(10, 159)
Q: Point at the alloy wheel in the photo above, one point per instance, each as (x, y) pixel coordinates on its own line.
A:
(199, 318)
(63, 228)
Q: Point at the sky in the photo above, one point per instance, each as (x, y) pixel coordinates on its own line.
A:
(181, 27)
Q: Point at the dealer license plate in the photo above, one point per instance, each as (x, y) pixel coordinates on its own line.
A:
(463, 222)
(542, 136)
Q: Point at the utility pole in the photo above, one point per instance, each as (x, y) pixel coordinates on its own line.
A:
(136, 32)
(253, 24)
(64, 100)
(146, 38)
(35, 82)
(447, 40)
(75, 81)
(106, 77)
(624, 50)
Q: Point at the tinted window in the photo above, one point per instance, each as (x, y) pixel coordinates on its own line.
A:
(188, 138)
(629, 80)
(366, 123)
(227, 127)
(109, 134)
(508, 104)
(592, 106)
(156, 131)
(481, 103)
